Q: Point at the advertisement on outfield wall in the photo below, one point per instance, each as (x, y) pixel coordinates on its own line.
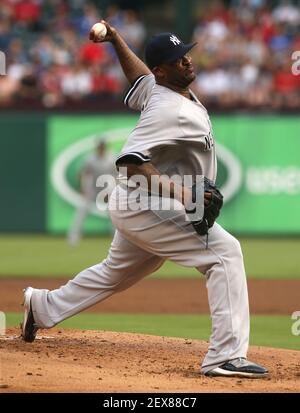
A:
(70, 141)
(258, 170)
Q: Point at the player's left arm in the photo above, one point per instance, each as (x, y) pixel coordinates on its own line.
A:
(154, 177)
(136, 166)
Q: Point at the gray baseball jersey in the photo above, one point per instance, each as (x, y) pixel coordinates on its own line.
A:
(174, 132)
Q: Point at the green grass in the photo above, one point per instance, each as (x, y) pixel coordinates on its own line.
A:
(270, 331)
(35, 255)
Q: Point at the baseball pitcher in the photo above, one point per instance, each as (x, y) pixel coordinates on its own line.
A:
(173, 137)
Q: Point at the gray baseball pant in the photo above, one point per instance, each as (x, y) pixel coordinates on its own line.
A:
(144, 239)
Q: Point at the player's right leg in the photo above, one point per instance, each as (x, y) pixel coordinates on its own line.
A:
(125, 264)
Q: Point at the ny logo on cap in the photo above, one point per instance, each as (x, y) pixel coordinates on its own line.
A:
(175, 40)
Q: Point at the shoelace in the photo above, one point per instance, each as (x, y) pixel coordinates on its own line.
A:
(239, 362)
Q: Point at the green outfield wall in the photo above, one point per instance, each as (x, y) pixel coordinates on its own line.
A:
(40, 157)
(22, 172)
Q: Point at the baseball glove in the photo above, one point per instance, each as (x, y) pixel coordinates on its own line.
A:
(211, 210)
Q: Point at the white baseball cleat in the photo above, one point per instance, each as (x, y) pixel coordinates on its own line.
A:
(28, 327)
(239, 367)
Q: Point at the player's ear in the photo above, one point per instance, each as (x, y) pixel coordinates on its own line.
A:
(158, 72)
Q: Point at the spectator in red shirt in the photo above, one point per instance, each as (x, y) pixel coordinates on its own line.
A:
(27, 11)
(104, 83)
(286, 88)
(92, 54)
(285, 81)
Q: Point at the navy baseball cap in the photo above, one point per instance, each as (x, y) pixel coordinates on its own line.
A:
(165, 48)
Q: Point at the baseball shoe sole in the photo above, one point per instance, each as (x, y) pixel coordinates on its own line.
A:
(28, 328)
(240, 367)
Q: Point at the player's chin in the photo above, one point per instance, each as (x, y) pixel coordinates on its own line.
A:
(190, 77)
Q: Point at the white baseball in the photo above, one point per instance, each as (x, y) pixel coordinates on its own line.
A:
(99, 30)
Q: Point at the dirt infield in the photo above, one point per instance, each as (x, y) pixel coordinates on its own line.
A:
(173, 296)
(95, 361)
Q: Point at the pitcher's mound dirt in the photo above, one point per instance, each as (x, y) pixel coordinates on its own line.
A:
(96, 361)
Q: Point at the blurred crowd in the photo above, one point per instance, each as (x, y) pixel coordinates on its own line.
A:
(50, 58)
(242, 57)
